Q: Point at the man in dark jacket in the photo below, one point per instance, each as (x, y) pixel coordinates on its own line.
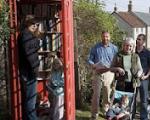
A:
(144, 55)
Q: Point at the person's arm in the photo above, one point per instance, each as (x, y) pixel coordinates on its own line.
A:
(91, 59)
(117, 70)
(140, 69)
(114, 67)
(145, 76)
(101, 69)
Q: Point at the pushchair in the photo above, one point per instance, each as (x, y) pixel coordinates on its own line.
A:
(116, 98)
(148, 107)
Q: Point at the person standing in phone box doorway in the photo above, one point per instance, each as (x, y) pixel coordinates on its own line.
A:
(101, 56)
(28, 46)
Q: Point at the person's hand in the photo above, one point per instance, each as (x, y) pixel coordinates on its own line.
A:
(98, 67)
(143, 77)
(118, 70)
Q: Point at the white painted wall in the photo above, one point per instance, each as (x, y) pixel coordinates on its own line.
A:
(148, 37)
(131, 32)
(124, 26)
(138, 31)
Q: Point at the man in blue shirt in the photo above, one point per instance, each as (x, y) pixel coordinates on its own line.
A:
(144, 55)
(101, 56)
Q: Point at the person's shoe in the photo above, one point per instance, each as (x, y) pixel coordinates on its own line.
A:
(106, 107)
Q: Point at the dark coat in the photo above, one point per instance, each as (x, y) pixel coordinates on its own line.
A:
(28, 46)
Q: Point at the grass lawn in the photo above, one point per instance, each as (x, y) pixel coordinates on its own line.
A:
(85, 114)
(82, 115)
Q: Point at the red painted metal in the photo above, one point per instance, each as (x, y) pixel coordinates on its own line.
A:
(14, 79)
(41, 89)
(68, 51)
(38, 1)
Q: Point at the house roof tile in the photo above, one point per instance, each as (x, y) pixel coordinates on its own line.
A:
(131, 19)
(145, 17)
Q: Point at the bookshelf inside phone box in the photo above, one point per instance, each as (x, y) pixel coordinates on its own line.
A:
(49, 17)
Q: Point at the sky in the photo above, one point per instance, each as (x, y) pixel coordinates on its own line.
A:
(122, 5)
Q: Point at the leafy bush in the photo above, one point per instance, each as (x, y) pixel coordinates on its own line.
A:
(91, 20)
(4, 21)
(4, 37)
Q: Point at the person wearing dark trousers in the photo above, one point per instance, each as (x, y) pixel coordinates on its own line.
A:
(28, 46)
(144, 55)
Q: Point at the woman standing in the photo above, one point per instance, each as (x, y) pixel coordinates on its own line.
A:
(28, 46)
(127, 66)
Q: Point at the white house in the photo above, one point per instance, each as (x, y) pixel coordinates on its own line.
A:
(133, 23)
(130, 24)
(145, 17)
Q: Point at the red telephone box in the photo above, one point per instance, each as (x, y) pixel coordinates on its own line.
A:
(67, 44)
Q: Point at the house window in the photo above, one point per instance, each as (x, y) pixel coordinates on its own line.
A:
(141, 30)
(137, 30)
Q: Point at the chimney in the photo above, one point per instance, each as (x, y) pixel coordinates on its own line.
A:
(115, 8)
(130, 6)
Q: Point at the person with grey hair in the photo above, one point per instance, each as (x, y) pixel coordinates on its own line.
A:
(144, 55)
(127, 66)
(130, 41)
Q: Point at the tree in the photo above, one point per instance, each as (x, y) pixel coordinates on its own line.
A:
(91, 20)
(4, 38)
(4, 20)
